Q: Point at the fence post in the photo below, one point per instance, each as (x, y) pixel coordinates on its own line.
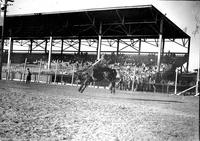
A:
(197, 81)
(24, 70)
(73, 69)
(133, 80)
(56, 71)
(11, 72)
(176, 79)
(8, 70)
(39, 70)
(61, 75)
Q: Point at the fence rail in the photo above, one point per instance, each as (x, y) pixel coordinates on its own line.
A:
(64, 75)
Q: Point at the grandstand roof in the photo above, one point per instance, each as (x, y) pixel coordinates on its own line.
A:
(117, 22)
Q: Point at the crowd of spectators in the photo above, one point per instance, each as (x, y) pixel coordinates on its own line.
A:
(134, 73)
(139, 77)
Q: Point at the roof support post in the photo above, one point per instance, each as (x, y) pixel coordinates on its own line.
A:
(9, 52)
(187, 67)
(163, 47)
(118, 46)
(99, 42)
(50, 51)
(160, 45)
(45, 48)
(139, 46)
(61, 51)
(31, 46)
(79, 45)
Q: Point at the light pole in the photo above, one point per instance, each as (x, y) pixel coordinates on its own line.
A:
(2, 36)
(4, 8)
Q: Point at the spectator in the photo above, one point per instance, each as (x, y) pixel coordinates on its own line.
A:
(28, 78)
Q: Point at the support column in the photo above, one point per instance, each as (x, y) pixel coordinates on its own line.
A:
(79, 45)
(31, 46)
(197, 82)
(50, 50)
(99, 42)
(163, 47)
(45, 49)
(118, 47)
(140, 41)
(187, 67)
(61, 52)
(160, 45)
(9, 52)
(176, 79)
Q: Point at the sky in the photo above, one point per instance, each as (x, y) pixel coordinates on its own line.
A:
(182, 13)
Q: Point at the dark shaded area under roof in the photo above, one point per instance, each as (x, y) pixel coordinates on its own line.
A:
(119, 22)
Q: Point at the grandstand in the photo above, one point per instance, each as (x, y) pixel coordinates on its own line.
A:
(78, 38)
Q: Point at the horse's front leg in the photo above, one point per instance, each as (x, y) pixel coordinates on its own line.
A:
(112, 87)
(113, 90)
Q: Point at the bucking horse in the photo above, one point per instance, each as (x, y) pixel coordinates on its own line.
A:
(96, 73)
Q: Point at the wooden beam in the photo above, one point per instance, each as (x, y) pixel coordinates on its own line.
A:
(99, 42)
(9, 52)
(50, 51)
(160, 45)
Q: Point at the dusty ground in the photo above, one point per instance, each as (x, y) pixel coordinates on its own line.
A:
(48, 113)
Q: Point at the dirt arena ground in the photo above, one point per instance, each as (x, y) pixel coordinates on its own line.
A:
(55, 113)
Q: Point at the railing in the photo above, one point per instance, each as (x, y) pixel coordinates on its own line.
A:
(186, 90)
(65, 76)
(39, 72)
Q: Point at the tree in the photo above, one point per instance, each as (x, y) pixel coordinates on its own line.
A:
(196, 32)
(196, 13)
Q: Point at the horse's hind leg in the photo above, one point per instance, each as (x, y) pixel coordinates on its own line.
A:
(80, 87)
(84, 86)
(83, 89)
(113, 90)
